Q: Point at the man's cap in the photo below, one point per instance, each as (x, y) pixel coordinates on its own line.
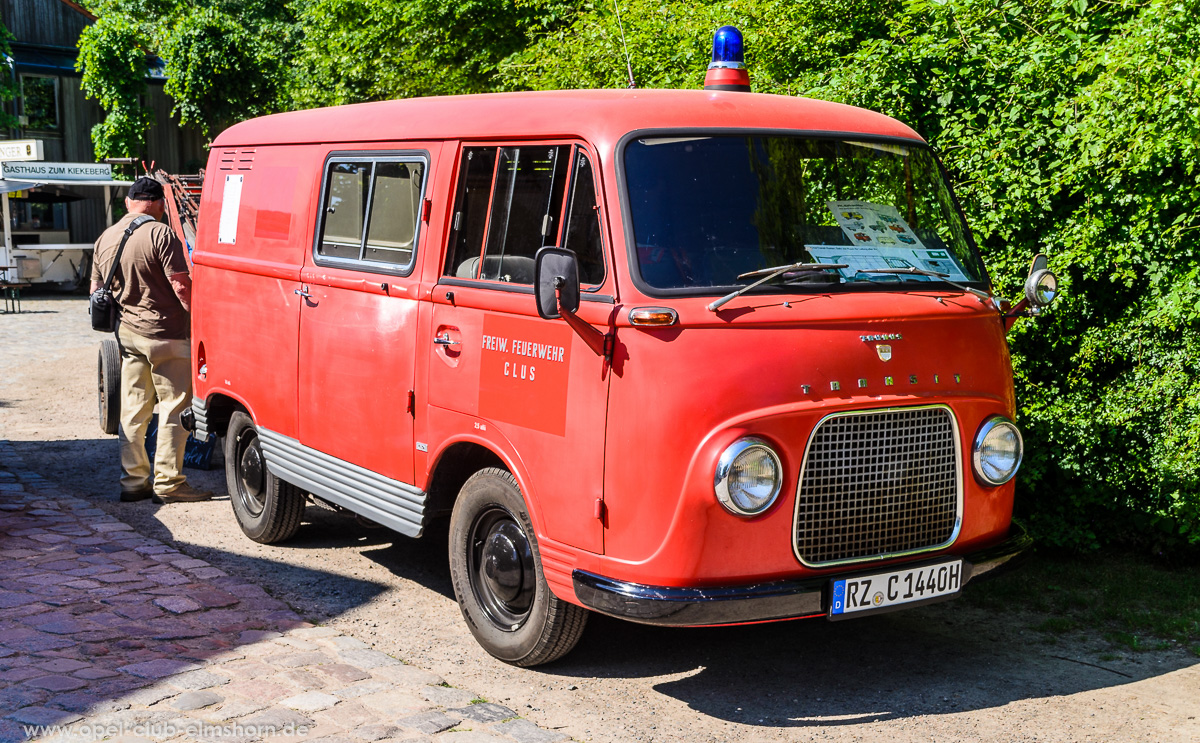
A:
(145, 189)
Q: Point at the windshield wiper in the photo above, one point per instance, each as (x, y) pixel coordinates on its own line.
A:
(771, 273)
(933, 274)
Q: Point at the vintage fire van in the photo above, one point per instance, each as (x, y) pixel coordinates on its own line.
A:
(681, 357)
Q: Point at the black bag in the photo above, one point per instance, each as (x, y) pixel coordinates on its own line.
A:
(103, 305)
(103, 309)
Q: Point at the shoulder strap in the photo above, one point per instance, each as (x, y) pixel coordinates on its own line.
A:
(137, 222)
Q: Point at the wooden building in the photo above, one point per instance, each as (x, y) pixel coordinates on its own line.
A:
(50, 107)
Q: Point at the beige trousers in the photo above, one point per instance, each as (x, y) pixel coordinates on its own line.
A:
(153, 372)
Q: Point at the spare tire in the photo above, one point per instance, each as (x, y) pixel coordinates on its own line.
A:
(108, 376)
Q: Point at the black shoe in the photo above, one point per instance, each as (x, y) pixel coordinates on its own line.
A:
(130, 496)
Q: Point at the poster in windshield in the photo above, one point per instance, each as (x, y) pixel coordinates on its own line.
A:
(880, 238)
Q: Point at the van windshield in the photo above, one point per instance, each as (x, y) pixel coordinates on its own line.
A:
(708, 209)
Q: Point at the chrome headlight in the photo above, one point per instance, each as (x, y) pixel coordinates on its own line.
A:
(748, 477)
(997, 452)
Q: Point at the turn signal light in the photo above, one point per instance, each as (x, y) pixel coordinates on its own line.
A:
(653, 316)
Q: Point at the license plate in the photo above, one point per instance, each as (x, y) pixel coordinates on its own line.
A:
(883, 591)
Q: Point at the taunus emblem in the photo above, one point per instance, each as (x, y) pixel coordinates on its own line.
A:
(883, 349)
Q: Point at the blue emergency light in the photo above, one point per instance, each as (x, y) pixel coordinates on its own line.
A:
(727, 48)
(727, 71)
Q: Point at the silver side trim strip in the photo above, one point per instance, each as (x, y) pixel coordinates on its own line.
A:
(200, 410)
(396, 505)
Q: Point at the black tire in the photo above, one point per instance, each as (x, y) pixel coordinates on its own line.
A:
(268, 509)
(108, 377)
(497, 573)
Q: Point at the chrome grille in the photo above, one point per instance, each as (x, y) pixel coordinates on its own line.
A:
(878, 483)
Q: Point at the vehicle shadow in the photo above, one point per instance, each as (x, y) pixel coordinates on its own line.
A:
(77, 465)
(934, 660)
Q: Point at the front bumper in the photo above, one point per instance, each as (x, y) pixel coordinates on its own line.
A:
(758, 602)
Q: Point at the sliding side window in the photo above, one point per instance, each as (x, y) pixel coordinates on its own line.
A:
(582, 232)
(345, 207)
(371, 215)
(512, 201)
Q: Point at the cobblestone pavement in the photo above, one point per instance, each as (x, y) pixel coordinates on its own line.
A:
(105, 633)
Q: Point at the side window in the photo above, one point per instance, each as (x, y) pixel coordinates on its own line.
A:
(395, 206)
(511, 203)
(471, 211)
(372, 212)
(526, 207)
(582, 232)
(345, 207)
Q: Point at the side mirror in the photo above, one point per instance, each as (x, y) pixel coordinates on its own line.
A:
(555, 280)
(556, 283)
(1042, 285)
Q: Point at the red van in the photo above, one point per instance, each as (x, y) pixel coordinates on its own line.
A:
(681, 357)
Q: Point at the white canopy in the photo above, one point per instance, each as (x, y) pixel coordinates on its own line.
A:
(10, 186)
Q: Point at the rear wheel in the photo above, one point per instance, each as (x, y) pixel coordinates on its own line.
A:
(108, 377)
(498, 580)
(267, 508)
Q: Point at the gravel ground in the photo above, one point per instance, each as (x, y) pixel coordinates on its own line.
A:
(948, 672)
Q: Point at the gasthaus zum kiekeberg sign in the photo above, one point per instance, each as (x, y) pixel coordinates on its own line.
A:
(39, 171)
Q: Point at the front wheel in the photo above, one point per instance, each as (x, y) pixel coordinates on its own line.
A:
(267, 508)
(497, 573)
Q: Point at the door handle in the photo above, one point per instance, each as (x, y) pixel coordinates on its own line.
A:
(444, 340)
(302, 292)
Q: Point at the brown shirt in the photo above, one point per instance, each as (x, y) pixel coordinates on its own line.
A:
(148, 303)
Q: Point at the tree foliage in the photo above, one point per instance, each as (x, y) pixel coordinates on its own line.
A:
(225, 61)
(113, 60)
(220, 69)
(789, 43)
(7, 92)
(1069, 128)
(365, 50)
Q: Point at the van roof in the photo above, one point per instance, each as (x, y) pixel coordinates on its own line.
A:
(600, 116)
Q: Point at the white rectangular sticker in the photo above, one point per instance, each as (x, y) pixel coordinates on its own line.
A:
(858, 257)
(231, 206)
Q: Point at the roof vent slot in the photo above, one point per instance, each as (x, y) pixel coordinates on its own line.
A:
(236, 159)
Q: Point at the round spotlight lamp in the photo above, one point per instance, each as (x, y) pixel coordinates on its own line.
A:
(997, 452)
(748, 477)
(1041, 288)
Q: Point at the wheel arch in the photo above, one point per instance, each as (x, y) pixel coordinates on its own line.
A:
(220, 407)
(453, 466)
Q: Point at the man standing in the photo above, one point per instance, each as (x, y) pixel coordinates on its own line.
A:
(152, 288)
